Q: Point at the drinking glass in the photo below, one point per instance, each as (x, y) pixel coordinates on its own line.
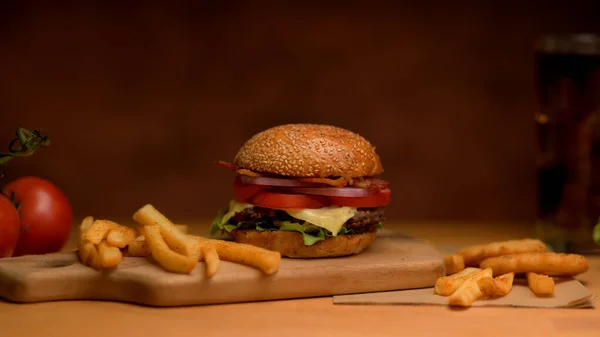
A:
(568, 130)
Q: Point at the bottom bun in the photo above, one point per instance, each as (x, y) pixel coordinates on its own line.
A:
(291, 244)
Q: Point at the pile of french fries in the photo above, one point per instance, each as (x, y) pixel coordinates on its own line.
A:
(488, 270)
(103, 244)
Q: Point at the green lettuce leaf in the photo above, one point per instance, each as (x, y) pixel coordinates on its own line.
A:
(380, 225)
(229, 227)
(260, 228)
(344, 231)
(309, 238)
(216, 223)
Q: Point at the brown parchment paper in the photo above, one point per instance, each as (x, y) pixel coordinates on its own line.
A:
(569, 293)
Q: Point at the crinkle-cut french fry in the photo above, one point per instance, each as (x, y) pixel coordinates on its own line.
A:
(173, 236)
(540, 285)
(183, 228)
(139, 247)
(446, 285)
(121, 236)
(496, 287)
(469, 291)
(99, 230)
(473, 255)
(454, 264)
(548, 263)
(110, 256)
(167, 258)
(88, 255)
(465, 295)
(211, 259)
(265, 260)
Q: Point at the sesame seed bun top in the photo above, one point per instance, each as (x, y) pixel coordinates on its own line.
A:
(309, 150)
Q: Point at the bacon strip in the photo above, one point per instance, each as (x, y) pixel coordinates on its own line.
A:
(225, 165)
(338, 182)
(249, 173)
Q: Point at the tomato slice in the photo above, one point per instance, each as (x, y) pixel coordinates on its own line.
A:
(379, 199)
(242, 192)
(288, 201)
(265, 196)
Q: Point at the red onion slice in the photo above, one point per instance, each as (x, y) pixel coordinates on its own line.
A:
(268, 181)
(352, 192)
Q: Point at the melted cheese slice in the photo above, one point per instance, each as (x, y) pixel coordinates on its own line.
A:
(330, 218)
(234, 207)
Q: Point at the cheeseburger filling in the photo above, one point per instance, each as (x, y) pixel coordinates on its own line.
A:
(242, 216)
(365, 220)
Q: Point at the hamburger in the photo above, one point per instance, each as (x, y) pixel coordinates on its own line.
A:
(306, 191)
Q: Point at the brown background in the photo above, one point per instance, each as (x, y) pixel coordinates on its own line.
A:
(139, 99)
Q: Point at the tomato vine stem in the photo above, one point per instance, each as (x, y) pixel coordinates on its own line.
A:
(24, 144)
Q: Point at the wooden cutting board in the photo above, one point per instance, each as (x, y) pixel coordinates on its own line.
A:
(392, 263)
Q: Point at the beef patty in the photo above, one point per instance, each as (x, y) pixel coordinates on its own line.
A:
(365, 219)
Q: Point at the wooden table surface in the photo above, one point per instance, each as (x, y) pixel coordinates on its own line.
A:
(316, 316)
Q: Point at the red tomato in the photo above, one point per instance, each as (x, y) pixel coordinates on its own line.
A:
(379, 199)
(242, 192)
(9, 227)
(287, 201)
(45, 216)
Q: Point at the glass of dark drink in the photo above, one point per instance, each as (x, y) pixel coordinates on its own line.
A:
(568, 129)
